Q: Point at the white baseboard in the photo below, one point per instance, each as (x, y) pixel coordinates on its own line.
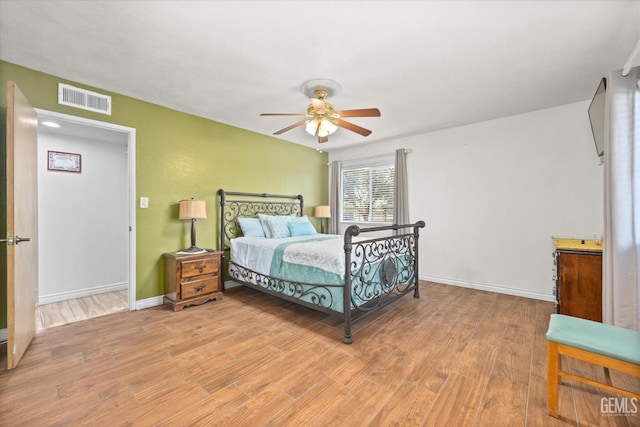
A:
(63, 296)
(141, 304)
(490, 288)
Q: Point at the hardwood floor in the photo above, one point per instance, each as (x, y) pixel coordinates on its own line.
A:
(75, 310)
(454, 357)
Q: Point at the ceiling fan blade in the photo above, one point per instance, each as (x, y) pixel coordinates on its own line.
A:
(362, 112)
(283, 114)
(295, 125)
(318, 104)
(350, 126)
(322, 139)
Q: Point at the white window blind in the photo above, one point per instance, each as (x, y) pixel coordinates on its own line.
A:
(367, 194)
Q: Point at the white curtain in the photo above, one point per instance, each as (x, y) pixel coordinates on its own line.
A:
(621, 252)
(401, 191)
(334, 197)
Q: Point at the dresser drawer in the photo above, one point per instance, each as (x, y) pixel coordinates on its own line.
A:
(195, 288)
(200, 267)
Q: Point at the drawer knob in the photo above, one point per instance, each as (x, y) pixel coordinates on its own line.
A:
(201, 267)
(198, 288)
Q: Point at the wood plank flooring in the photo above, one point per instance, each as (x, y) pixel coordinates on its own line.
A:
(75, 310)
(454, 357)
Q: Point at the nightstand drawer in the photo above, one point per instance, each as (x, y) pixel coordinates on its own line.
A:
(195, 288)
(199, 267)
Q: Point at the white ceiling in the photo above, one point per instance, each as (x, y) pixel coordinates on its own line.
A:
(427, 65)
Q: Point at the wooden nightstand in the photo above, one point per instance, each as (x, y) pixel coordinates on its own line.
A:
(191, 279)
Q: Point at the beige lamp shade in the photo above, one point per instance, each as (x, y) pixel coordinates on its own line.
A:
(323, 211)
(192, 208)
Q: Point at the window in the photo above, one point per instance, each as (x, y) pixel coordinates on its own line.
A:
(367, 193)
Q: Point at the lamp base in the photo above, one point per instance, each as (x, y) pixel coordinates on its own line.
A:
(193, 249)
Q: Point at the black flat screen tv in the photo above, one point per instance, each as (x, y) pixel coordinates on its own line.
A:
(596, 116)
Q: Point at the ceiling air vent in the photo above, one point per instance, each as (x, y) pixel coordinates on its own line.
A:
(85, 99)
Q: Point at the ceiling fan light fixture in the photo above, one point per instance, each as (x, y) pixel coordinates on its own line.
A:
(321, 119)
(323, 127)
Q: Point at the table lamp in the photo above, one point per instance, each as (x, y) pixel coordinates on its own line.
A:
(323, 212)
(192, 209)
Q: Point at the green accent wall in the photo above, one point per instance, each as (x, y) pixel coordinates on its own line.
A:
(178, 156)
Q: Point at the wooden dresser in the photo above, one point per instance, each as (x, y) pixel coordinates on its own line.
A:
(578, 278)
(191, 279)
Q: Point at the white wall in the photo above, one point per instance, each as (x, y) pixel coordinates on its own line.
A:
(83, 220)
(494, 193)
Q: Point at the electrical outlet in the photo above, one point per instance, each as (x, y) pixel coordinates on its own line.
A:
(144, 202)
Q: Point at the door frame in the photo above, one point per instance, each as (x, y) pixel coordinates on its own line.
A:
(131, 168)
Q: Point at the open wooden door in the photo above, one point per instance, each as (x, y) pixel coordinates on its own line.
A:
(22, 224)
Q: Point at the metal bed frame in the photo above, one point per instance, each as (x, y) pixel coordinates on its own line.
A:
(378, 270)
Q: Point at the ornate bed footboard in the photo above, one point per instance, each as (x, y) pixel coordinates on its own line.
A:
(377, 271)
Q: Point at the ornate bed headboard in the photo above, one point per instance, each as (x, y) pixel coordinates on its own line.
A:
(234, 205)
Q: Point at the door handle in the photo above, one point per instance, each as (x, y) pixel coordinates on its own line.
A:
(19, 239)
(10, 240)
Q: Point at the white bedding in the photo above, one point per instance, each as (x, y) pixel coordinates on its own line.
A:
(256, 253)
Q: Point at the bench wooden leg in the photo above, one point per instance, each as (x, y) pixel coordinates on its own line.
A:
(553, 378)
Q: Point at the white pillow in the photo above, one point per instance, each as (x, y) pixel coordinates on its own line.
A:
(279, 226)
(266, 226)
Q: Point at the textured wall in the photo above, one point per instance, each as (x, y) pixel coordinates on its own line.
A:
(178, 156)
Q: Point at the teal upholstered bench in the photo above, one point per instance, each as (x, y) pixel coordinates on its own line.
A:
(598, 343)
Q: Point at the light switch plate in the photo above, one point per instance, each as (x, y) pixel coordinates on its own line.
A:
(144, 202)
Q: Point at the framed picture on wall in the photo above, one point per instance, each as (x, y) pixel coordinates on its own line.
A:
(65, 162)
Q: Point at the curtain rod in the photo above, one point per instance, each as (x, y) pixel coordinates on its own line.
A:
(378, 156)
(627, 65)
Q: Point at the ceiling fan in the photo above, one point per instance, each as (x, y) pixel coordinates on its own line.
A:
(321, 118)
